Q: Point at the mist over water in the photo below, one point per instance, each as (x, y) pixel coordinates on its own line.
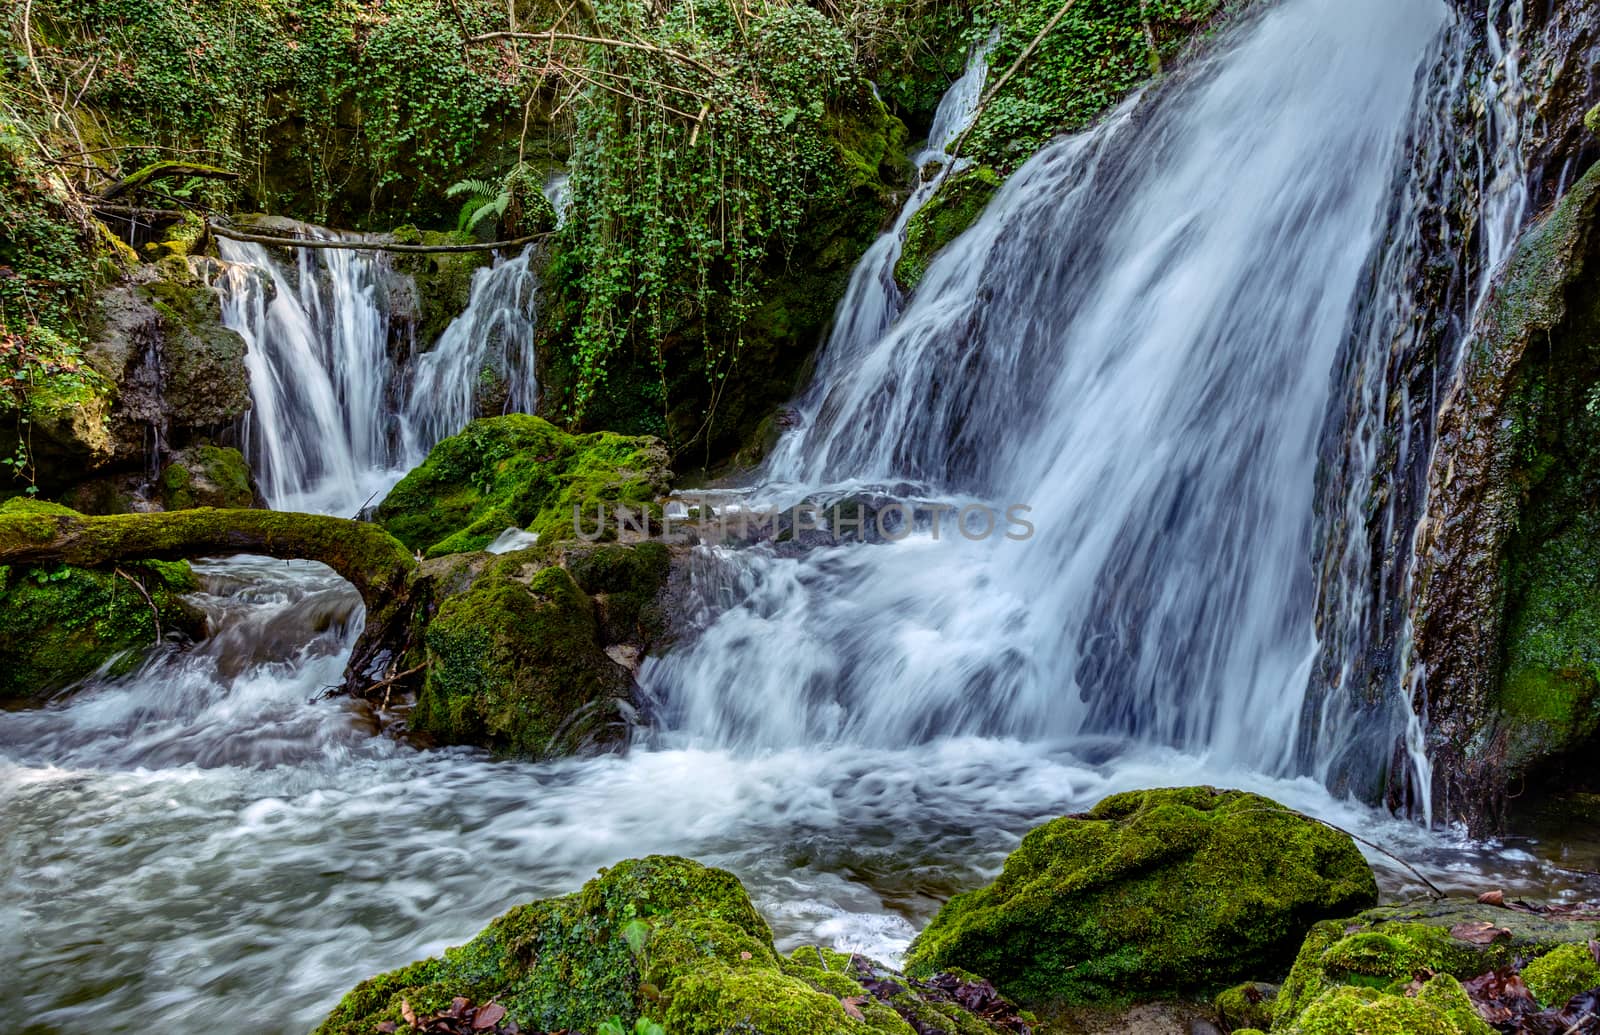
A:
(1136, 340)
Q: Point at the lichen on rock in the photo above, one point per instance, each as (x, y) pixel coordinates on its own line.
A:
(1150, 893)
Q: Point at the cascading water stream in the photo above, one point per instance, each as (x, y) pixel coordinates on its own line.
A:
(335, 419)
(1136, 340)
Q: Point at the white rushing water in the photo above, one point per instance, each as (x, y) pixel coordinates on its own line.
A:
(339, 413)
(1135, 340)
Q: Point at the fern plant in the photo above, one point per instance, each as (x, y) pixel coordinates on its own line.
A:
(485, 200)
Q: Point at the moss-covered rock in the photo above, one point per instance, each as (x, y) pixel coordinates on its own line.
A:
(520, 471)
(1150, 892)
(1248, 1005)
(957, 205)
(517, 663)
(1440, 1007)
(1592, 120)
(179, 374)
(443, 279)
(1383, 949)
(1562, 973)
(1508, 601)
(60, 624)
(663, 938)
(207, 476)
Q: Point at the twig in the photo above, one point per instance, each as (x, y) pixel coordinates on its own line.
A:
(371, 246)
(649, 48)
(155, 612)
(380, 684)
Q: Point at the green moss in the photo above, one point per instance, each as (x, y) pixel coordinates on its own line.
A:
(1149, 893)
(1562, 973)
(516, 663)
(1441, 1007)
(1549, 692)
(961, 199)
(59, 624)
(1382, 950)
(1592, 120)
(207, 476)
(1249, 1005)
(522, 471)
(660, 937)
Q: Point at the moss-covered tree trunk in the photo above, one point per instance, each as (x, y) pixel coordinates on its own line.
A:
(371, 560)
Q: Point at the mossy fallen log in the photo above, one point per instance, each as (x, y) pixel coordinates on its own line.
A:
(165, 171)
(366, 556)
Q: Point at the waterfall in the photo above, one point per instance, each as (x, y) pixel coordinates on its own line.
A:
(1135, 340)
(491, 341)
(338, 413)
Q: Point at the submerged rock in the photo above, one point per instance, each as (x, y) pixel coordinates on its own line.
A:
(1150, 893)
(676, 942)
(519, 471)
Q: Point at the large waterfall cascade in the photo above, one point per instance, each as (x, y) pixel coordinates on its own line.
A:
(1138, 340)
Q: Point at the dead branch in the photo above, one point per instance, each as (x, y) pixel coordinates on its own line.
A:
(650, 48)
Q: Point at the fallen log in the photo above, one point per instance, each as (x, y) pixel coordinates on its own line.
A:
(164, 171)
(366, 556)
(370, 246)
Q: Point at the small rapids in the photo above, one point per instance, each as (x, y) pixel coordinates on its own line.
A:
(205, 845)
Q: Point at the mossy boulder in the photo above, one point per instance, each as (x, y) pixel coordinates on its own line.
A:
(960, 200)
(517, 663)
(1382, 950)
(60, 624)
(1439, 1007)
(207, 476)
(1247, 1005)
(663, 938)
(520, 471)
(1150, 893)
(179, 374)
(1562, 973)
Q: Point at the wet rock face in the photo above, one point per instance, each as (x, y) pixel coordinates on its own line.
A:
(675, 942)
(1151, 893)
(180, 374)
(1508, 584)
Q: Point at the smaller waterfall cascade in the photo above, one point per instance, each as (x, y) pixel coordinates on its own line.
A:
(319, 363)
(873, 299)
(339, 412)
(490, 345)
